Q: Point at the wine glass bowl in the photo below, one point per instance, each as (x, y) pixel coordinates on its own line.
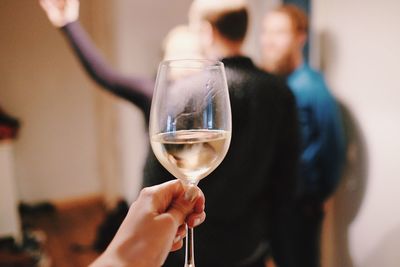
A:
(190, 122)
(191, 155)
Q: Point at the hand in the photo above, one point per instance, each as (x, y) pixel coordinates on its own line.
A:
(154, 226)
(61, 12)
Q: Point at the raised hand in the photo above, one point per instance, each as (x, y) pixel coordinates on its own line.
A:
(61, 12)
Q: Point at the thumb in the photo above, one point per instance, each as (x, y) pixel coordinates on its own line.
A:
(184, 205)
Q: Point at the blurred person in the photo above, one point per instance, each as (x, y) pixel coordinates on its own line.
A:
(180, 43)
(64, 14)
(284, 35)
(154, 226)
(255, 184)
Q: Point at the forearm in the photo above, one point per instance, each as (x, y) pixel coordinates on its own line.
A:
(134, 89)
(142, 239)
(88, 54)
(113, 259)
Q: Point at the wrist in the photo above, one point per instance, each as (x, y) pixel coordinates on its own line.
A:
(62, 24)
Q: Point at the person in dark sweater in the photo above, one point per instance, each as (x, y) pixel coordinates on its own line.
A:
(255, 185)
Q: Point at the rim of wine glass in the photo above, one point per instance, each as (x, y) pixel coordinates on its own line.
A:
(180, 63)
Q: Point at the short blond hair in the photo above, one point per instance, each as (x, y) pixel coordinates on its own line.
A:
(181, 43)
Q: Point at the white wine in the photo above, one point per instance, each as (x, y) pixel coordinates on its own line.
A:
(190, 155)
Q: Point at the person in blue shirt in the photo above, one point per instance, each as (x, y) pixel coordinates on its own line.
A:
(283, 38)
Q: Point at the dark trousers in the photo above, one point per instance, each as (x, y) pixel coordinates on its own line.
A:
(308, 226)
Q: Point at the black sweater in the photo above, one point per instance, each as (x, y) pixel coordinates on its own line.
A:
(250, 195)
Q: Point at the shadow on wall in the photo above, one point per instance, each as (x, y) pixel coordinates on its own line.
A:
(386, 252)
(350, 193)
(351, 190)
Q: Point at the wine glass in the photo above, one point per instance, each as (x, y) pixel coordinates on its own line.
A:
(190, 122)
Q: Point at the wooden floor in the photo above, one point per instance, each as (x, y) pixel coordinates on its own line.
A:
(68, 226)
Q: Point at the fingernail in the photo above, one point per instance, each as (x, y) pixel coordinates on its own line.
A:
(197, 222)
(177, 239)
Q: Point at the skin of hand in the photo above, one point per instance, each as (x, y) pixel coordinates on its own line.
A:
(154, 226)
(61, 12)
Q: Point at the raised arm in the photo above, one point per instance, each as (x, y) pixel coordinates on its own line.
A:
(64, 14)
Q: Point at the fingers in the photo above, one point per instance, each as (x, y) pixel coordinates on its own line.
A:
(164, 194)
(52, 11)
(172, 198)
(48, 5)
(198, 216)
(195, 219)
(45, 5)
(61, 12)
(200, 202)
(181, 231)
(184, 205)
(60, 4)
(73, 3)
(178, 243)
(178, 240)
(191, 192)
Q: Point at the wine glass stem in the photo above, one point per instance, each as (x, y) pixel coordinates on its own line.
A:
(189, 258)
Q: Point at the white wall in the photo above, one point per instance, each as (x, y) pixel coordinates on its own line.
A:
(360, 54)
(9, 219)
(42, 84)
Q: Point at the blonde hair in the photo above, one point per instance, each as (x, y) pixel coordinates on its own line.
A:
(181, 43)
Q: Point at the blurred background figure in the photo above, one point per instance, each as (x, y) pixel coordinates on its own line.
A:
(181, 43)
(64, 15)
(255, 184)
(284, 35)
